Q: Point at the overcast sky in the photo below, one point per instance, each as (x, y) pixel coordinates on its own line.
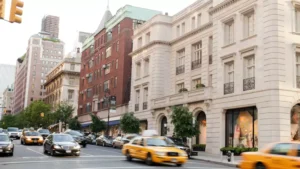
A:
(75, 15)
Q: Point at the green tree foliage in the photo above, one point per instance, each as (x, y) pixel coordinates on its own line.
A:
(63, 113)
(74, 124)
(129, 123)
(182, 120)
(97, 125)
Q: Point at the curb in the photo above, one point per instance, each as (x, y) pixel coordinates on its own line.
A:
(216, 162)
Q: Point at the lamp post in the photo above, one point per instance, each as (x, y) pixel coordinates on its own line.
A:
(107, 100)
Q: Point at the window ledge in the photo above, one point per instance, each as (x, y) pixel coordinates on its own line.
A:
(296, 33)
(146, 76)
(229, 45)
(249, 37)
(137, 79)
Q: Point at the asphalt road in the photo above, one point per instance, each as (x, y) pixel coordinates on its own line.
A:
(92, 157)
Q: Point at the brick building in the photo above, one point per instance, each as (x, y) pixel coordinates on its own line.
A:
(107, 65)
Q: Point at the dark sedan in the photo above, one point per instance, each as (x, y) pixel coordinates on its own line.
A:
(120, 141)
(177, 142)
(104, 141)
(61, 144)
(78, 137)
(6, 145)
(44, 133)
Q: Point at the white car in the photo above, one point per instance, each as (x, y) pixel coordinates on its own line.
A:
(13, 132)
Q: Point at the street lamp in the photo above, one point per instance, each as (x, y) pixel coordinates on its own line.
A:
(107, 100)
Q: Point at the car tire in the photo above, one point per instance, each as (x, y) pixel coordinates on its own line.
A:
(11, 154)
(260, 166)
(103, 144)
(77, 155)
(96, 143)
(178, 165)
(52, 153)
(21, 142)
(128, 157)
(45, 151)
(113, 146)
(84, 145)
(149, 159)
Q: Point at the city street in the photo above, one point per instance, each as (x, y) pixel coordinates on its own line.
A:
(92, 157)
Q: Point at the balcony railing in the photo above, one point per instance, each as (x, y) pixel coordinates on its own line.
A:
(179, 70)
(298, 81)
(136, 107)
(145, 105)
(196, 64)
(229, 88)
(249, 84)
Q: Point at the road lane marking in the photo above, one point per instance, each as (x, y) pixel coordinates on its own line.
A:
(54, 161)
(86, 154)
(35, 151)
(141, 167)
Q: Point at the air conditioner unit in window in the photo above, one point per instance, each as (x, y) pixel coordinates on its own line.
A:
(87, 75)
(103, 66)
(101, 100)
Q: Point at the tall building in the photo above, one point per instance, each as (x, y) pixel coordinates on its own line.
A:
(8, 98)
(234, 65)
(106, 65)
(62, 83)
(7, 77)
(78, 43)
(50, 24)
(43, 54)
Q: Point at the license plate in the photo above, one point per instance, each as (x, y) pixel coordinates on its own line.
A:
(173, 160)
(68, 151)
(1, 150)
(35, 141)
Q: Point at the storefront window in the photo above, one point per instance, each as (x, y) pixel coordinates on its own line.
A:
(295, 114)
(241, 127)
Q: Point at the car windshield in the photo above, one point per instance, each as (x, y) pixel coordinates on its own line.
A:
(20, 130)
(62, 138)
(32, 133)
(156, 142)
(175, 141)
(12, 129)
(44, 131)
(130, 137)
(4, 138)
(75, 133)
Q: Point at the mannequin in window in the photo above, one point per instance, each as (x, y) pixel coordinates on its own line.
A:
(295, 122)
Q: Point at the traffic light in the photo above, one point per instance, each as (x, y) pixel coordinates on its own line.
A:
(15, 11)
(2, 9)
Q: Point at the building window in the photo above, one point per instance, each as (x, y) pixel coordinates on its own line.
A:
(145, 99)
(210, 49)
(33, 67)
(99, 106)
(106, 85)
(210, 79)
(229, 78)
(117, 64)
(241, 128)
(179, 87)
(137, 100)
(71, 81)
(193, 23)
(297, 13)
(33, 73)
(90, 78)
(118, 46)
(178, 31)
(140, 42)
(148, 37)
(196, 83)
(70, 94)
(107, 69)
(249, 24)
(88, 108)
(196, 55)
(42, 74)
(108, 52)
(138, 70)
(298, 69)
(180, 62)
(182, 28)
(146, 67)
(116, 82)
(249, 73)
(199, 20)
(91, 63)
(119, 28)
(229, 32)
(89, 92)
(72, 67)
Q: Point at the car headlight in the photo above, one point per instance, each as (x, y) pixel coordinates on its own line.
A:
(56, 147)
(158, 153)
(184, 154)
(77, 146)
(41, 139)
(10, 146)
(28, 138)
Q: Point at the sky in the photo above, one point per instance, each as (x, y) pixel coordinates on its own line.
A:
(75, 15)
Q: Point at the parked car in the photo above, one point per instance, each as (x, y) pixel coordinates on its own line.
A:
(105, 141)
(44, 132)
(120, 141)
(61, 144)
(177, 142)
(3, 131)
(31, 137)
(6, 145)
(91, 139)
(13, 132)
(78, 137)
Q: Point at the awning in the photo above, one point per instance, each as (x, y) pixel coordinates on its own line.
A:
(115, 122)
(86, 124)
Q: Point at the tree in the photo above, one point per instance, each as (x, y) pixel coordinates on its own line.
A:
(129, 123)
(74, 124)
(63, 113)
(97, 125)
(8, 121)
(182, 120)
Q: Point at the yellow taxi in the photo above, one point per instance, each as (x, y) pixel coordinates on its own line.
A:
(281, 155)
(31, 137)
(154, 149)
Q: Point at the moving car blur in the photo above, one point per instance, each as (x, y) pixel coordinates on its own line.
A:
(61, 144)
(6, 145)
(13, 132)
(44, 133)
(120, 141)
(31, 137)
(91, 139)
(78, 137)
(105, 141)
(178, 142)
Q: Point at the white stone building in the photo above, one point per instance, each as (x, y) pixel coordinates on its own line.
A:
(239, 61)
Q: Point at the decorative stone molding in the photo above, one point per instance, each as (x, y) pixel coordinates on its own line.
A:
(149, 26)
(158, 42)
(168, 109)
(186, 105)
(222, 6)
(207, 103)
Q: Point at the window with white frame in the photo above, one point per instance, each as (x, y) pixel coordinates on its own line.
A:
(118, 46)
(137, 96)
(90, 78)
(249, 24)
(297, 19)
(138, 70)
(199, 20)
(117, 64)
(196, 83)
(89, 92)
(146, 67)
(145, 97)
(178, 31)
(90, 63)
(180, 57)
(229, 32)
(197, 52)
(70, 94)
(229, 72)
(106, 85)
(71, 81)
(182, 28)
(108, 52)
(193, 23)
(179, 87)
(249, 67)
(298, 69)
(148, 37)
(140, 42)
(107, 69)
(72, 66)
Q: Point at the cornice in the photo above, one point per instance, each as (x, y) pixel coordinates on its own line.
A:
(50, 80)
(150, 25)
(222, 6)
(158, 42)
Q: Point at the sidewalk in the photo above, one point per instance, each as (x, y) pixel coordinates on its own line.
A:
(215, 158)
